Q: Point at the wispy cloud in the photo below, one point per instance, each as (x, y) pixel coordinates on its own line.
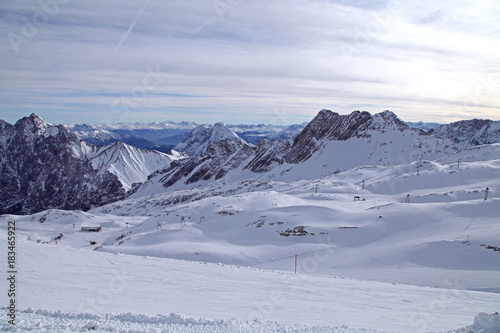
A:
(425, 61)
(132, 25)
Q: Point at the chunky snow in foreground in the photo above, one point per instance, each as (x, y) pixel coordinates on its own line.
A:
(47, 321)
(57, 321)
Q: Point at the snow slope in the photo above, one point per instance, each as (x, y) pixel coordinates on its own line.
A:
(131, 165)
(139, 291)
(242, 223)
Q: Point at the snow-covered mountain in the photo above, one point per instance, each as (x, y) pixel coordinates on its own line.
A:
(45, 166)
(221, 157)
(329, 143)
(199, 139)
(333, 142)
(131, 165)
(94, 135)
(157, 125)
(253, 134)
(100, 137)
(164, 136)
(469, 133)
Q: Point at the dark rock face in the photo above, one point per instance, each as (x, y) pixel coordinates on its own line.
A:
(330, 126)
(267, 155)
(326, 125)
(223, 157)
(219, 158)
(43, 166)
(469, 133)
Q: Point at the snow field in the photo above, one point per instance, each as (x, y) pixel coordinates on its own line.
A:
(224, 252)
(102, 283)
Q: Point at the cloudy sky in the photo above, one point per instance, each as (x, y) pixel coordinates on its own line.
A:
(250, 61)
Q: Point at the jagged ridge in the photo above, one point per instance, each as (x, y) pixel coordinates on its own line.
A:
(331, 126)
(42, 167)
(469, 133)
(383, 137)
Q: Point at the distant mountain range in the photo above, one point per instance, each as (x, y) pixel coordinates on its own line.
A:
(423, 126)
(159, 136)
(163, 136)
(82, 166)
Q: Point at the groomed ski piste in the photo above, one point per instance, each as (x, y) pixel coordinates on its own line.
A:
(221, 257)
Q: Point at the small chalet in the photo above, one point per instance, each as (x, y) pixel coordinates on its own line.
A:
(92, 229)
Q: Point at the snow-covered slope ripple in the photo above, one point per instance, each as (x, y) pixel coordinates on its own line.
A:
(131, 165)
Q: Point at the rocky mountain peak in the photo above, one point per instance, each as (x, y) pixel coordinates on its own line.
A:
(331, 126)
(327, 125)
(387, 120)
(43, 166)
(33, 124)
(469, 133)
(29, 129)
(199, 139)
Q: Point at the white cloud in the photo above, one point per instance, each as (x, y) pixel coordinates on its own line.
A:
(425, 60)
